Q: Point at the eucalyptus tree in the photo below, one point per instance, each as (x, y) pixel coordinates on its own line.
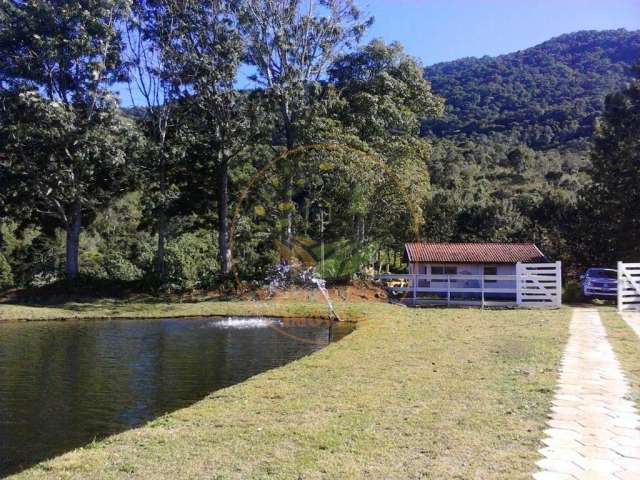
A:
(63, 141)
(290, 44)
(152, 29)
(208, 51)
(385, 99)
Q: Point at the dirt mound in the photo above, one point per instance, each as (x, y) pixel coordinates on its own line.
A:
(355, 292)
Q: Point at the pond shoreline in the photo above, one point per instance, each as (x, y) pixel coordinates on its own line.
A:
(173, 317)
(115, 310)
(410, 392)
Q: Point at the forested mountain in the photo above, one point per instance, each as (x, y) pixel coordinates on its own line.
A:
(512, 151)
(545, 96)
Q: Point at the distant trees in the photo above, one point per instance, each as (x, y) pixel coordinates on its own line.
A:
(512, 150)
(65, 142)
(546, 96)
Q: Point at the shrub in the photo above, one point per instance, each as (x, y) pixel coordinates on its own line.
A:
(92, 265)
(572, 292)
(6, 274)
(191, 261)
(117, 267)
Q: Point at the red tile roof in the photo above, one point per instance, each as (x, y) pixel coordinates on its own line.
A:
(473, 253)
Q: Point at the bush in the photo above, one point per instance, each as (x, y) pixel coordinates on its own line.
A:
(92, 265)
(191, 261)
(344, 260)
(6, 274)
(39, 260)
(111, 265)
(572, 292)
(119, 268)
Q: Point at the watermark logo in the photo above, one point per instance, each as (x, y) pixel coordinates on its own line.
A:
(303, 193)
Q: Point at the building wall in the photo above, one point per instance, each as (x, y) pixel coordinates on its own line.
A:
(470, 269)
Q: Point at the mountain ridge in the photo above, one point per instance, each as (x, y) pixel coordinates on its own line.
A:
(545, 96)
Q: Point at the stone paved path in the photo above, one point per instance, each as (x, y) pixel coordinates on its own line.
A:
(594, 430)
(633, 319)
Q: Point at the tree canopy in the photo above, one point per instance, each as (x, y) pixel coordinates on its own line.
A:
(265, 132)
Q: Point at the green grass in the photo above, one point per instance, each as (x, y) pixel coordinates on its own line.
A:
(119, 309)
(626, 345)
(412, 393)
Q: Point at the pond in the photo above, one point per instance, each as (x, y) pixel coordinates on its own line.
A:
(64, 384)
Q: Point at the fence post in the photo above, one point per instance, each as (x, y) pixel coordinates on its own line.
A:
(415, 285)
(620, 285)
(482, 290)
(558, 283)
(448, 290)
(518, 288)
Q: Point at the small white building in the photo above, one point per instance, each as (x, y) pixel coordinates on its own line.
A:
(479, 273)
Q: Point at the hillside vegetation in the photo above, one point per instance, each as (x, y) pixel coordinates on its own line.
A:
(545, 96)
(512, 154)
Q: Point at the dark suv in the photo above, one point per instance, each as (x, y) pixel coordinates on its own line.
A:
(599, 282)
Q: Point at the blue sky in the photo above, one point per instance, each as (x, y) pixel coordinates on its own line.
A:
(441, 30)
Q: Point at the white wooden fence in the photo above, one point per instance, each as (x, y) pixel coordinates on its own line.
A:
(533, 285)
(539, 284)
(628, 286)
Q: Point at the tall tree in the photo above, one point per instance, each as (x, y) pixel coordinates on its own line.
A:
(385, 100)
(290, 44)
(613, 197)
(152, 29)
(386, 91)
(63, 136)
(209, 51)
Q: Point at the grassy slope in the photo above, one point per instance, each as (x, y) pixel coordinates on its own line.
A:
(411, 394)
(117, 309)
(626, 345)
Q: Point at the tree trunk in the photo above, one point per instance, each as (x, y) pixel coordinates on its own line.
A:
(158, 267)
(289, 199)
(73, 240)
(360, 228)
(307, 211)
(223, 218)
(291, 141)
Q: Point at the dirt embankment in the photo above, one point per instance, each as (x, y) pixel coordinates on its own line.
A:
(355, 292)
(61, 293)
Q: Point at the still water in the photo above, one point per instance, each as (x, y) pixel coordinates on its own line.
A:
(64, 384)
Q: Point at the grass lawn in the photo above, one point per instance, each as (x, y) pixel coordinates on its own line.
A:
(157, 309)
(626, 345)
(412, 393)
